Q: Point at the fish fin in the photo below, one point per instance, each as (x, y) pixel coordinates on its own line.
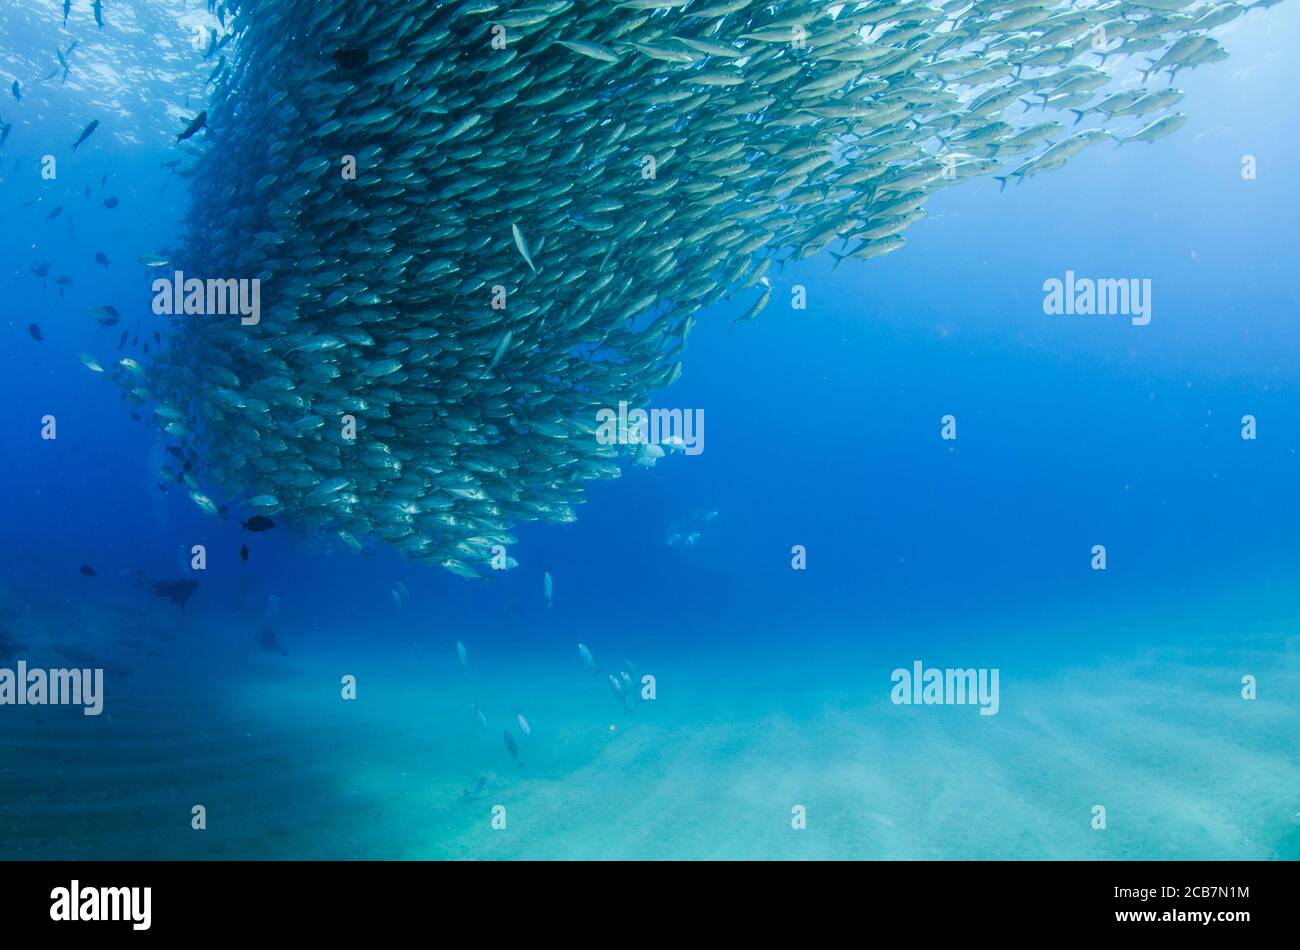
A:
(1002, 181)
(1079, 113)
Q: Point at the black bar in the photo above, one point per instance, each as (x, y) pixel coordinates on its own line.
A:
(1148, 900)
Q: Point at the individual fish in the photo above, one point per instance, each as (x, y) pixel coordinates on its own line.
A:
(478, 715)
(54, 214)
(67, 7)
(206, 504)
(548, 587)
(258, 523)
(101, 258)
(512, 748)
(98, 7)
(35, 332)
(463, 656)
(522, 245)
(587, 660)
(523, 723)
(1156, 130)
(470, 794)
(616, 686)
(198, 123)
(87, 570)
(267, 640)
(17, 90)
(110, 203)
(243, 552)
(86, 133)
(177, 591)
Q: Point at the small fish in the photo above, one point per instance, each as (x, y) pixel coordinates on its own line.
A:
(110, 203)
(547, 587)
(478, 789)
(243, 552)
(512, 748)
(122, 339)
(617, 686)
(86, 133)
(478, 715)
(200, 122)
(90, 363)
(587, 659)
(523, 247)
(498, 353)
(67, 8)
(463, 655)
(54, 214)
(17, 91)
(523, 723)
(98, 7)
(87, 570)
(101, 258)
(35, 332)
(268, 641)
(153, 260)
(258, 523)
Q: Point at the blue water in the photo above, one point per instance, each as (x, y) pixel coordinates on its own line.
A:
(822, 429)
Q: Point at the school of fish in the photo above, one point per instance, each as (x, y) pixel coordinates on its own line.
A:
(545, 194)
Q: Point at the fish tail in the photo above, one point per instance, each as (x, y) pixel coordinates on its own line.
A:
(1079, 113)
(1002, 181)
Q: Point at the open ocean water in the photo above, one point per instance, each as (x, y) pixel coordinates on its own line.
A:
(905, 461)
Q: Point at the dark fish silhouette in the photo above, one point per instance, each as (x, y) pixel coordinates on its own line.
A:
(177, 591)
(200, 122)
(512, 749)
(35, 331)
(41, 269)
(67, 8)
(86, 133)
(267, 640)
(471, 793)
(54, 214)
(122, 342)
(98, 7)
(258, 523)
(110, 203)
(17, 91)
(243, 552)
(351, 58)
(100, 258)
(87, 570)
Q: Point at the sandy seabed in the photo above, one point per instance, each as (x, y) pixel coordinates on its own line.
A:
(712, 768)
